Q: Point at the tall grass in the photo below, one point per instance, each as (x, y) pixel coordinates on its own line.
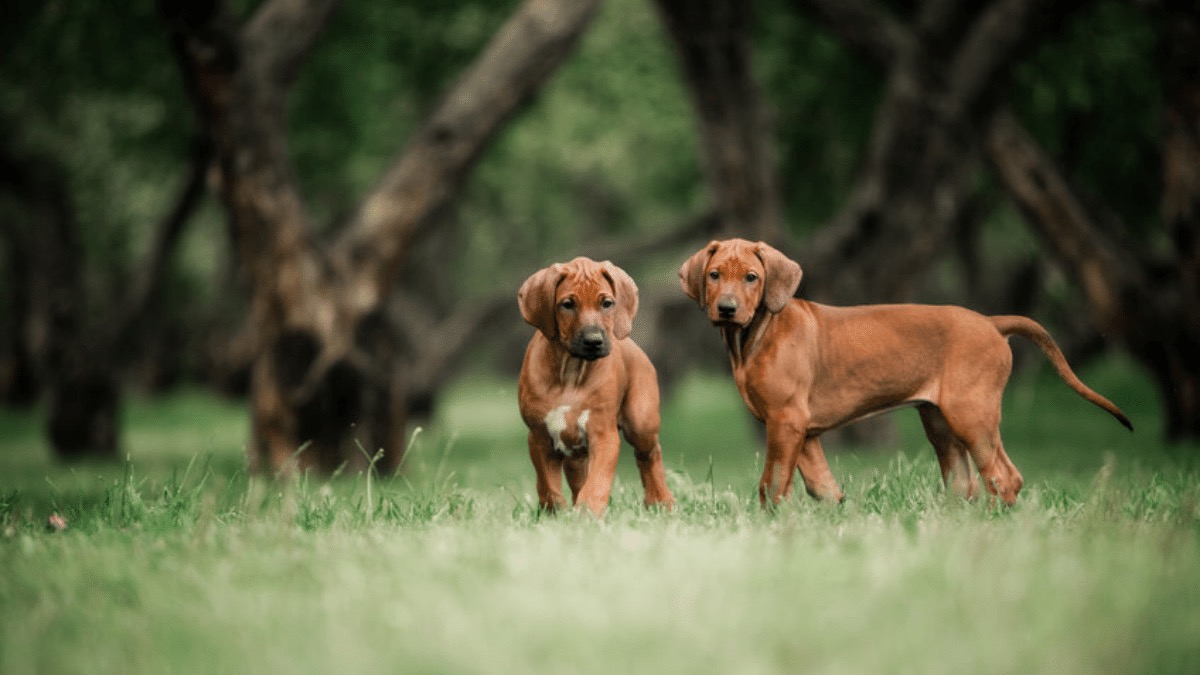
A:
(188, 565)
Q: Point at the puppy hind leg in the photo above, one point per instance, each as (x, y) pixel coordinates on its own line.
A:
(973, 418)
(1000, 476)
(953, 459)
(1015, 480)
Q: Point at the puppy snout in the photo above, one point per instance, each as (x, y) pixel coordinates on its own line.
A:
(591, 343)
(592, 338)
(727, 307)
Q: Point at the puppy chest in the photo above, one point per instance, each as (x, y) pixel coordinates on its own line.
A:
(567, 426)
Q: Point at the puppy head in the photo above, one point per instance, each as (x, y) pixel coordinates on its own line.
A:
(582, 305)
(730, 279)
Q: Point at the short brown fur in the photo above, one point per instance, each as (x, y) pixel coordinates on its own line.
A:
(613, 388)
(804, 368)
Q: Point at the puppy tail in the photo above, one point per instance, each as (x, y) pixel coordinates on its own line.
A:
(1028, 328)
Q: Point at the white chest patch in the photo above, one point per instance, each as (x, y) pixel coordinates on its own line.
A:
(567, 438)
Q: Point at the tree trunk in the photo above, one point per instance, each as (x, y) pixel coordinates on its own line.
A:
(82, 384)
(1144, 303)
(1180, 379)
(19, 382)
(80, 363)
(327, 387)
(712, 40)
(945, 71)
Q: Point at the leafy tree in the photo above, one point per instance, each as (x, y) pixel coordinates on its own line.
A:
(79, 290)
(325, 370)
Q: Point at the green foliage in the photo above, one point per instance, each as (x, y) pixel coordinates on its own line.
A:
(1093, 97)
(94, 90)
(376, 71)
(607, 149)
(823, 102)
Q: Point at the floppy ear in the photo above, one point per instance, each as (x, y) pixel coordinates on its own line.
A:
(627, 299)
(782, 277)
(691, 273)
(536, 299)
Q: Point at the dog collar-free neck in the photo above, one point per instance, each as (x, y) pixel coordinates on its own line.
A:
(572, 370)
(740, 341)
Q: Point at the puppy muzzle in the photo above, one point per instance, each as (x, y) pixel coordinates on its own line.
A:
(726, 309)
(590, 344)
(725, 312)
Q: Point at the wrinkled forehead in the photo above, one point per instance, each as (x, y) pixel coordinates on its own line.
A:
(735, 258)
(584, 280)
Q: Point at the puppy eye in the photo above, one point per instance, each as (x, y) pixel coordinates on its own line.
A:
(714, 275)
(751, 278)
(607, 303)
(567, 304)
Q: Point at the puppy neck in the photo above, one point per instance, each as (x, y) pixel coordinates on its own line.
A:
(740, 343)
(572, 371)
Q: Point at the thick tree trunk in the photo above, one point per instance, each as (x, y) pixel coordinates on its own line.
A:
(83, 392)
(80, 374)
(327, 387)
(19, 382)
(712, 40)
(1180, 376)
(80, 363)
(310, 382)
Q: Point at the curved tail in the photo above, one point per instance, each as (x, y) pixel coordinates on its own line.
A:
(1028, 328)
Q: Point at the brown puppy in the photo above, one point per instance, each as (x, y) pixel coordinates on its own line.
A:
(804, 368)
(582, 380)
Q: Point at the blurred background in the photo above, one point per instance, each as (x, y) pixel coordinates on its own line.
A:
(320, 212)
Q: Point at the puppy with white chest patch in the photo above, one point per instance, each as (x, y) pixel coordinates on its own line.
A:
(584, 382)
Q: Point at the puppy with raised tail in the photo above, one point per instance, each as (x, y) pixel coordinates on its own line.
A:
(584, 382)
(803, 368)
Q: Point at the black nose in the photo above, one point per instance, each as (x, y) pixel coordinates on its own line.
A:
(590, 343)
(593, 338)
(726, 307)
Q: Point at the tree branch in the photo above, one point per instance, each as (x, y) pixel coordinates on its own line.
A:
(939, 19)
(429, 173)
(244, 114)
(148, 284)
(703, 226)
(869, 30)
(995, 42)
(447, 342)
(1054, 211)
(281, 34)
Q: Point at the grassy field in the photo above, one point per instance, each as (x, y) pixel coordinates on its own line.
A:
(175, 561)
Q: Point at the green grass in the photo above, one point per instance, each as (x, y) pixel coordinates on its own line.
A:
(176, 561)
